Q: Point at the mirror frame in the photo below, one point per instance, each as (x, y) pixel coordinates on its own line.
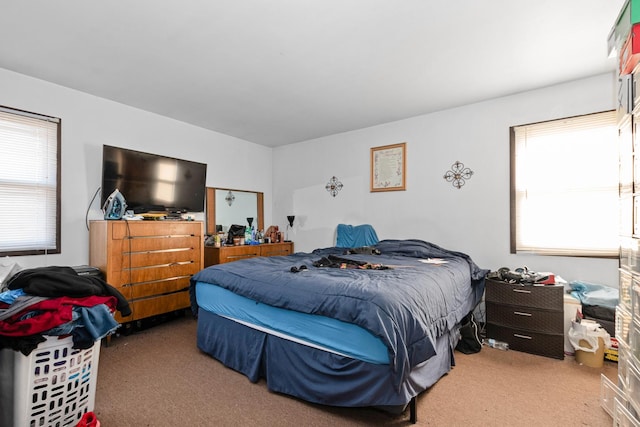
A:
(211, 207)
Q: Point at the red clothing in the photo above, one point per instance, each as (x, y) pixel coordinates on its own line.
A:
(49, 314)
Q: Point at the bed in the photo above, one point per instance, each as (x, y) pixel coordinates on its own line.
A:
(360, 327)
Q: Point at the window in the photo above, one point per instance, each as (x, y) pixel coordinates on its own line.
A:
(29, 183)
(564, 186)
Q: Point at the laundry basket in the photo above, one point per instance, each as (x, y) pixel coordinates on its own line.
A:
(53, 386)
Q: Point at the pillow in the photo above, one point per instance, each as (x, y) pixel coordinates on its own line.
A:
(350, 236)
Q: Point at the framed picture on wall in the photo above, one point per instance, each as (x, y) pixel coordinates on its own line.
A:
(388, 167)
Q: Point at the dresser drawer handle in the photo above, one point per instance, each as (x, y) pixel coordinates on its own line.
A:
(522, 336)
(522, 291)
(241, 256)
(520, 313)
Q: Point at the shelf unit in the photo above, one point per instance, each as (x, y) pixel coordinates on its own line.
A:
(622, 400)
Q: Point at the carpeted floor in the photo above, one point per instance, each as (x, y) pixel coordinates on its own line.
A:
(157, 377)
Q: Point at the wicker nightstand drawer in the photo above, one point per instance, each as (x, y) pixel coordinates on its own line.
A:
(550, 345)
(531, 319)
(545, 297)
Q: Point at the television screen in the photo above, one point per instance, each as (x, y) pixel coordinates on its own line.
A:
(150, 182)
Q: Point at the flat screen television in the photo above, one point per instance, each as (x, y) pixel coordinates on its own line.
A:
(153, 183)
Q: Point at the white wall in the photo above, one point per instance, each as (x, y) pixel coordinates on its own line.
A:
(474, 219)
(88, 122)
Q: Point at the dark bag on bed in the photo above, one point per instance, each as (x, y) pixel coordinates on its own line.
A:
(469, 336)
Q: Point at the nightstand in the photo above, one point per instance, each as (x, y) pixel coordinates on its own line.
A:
(530, 318)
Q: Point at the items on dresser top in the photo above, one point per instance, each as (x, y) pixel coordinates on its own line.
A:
(523, 275)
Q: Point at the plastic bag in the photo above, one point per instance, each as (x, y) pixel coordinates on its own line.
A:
(588, 332)
(595, 294)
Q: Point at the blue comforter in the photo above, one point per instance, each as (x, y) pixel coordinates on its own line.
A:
(407, 306)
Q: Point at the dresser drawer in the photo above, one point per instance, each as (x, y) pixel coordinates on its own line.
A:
(531, 319)
(236, 253)
(547, 297)
(220, 255)
(170, 229)
(154, 273)
(148, 307)
(158, 287)
(549, 345)
(160, 258)
(278, 249)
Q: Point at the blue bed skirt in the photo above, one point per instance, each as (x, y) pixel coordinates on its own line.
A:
(315, 375)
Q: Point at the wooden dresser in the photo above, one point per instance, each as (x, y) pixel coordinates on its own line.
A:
(149, 262)
(214, 255)
(528, 318)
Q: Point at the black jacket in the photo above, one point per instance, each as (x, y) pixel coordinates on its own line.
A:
(57, 281)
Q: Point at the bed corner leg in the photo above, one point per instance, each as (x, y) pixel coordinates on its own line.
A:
(413, 410)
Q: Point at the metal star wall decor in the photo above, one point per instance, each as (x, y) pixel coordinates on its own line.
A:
(333, 186)
(458, 174)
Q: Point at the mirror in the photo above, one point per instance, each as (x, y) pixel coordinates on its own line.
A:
(227, 206)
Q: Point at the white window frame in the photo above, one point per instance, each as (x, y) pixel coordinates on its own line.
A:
(558, 206)
(30, 172)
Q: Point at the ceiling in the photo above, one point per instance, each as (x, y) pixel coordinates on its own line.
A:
(283, 71)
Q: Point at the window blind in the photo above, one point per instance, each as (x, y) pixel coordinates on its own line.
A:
(28, 183)
(565, 186)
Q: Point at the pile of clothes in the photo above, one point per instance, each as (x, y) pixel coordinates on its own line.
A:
(334, 261)
(57, 301)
